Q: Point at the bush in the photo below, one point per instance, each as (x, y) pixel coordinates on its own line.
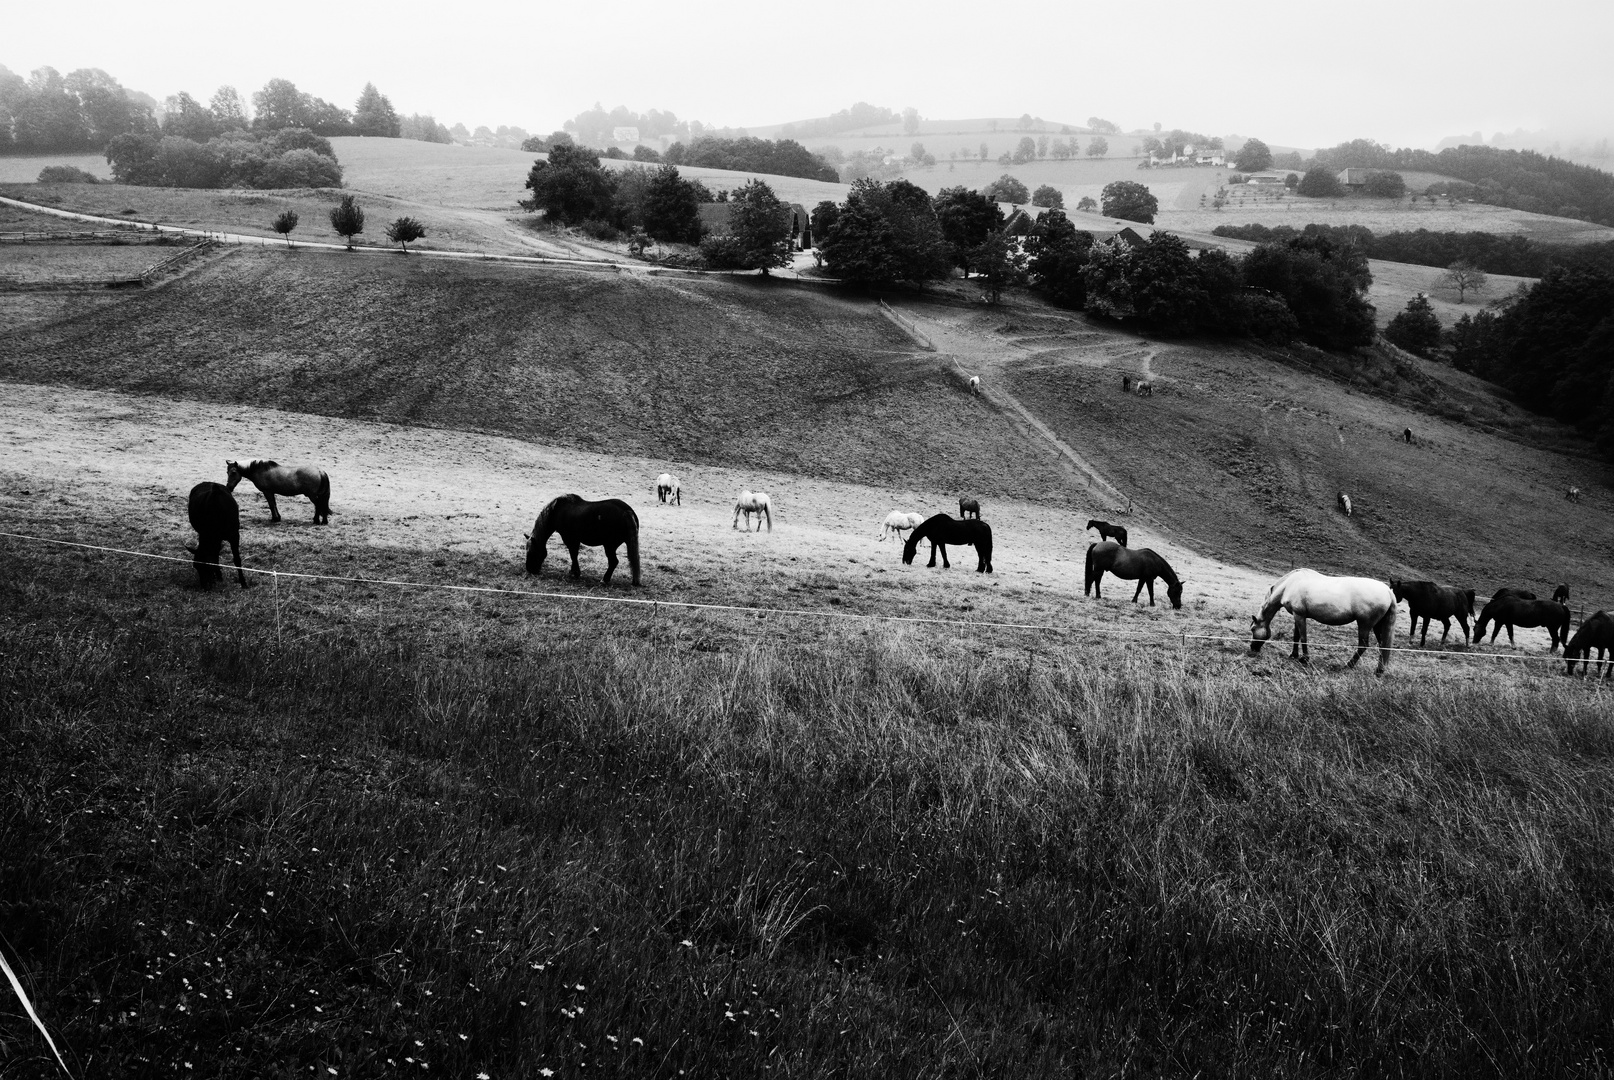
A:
(1385, 185)
(1320, 183)
(1130, 200)
(1007, 189)
(66, 174)
(1416, 329)
(722, 251)
(599, 230)
(1048, 195)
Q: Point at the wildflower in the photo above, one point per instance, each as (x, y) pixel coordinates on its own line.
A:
(546, 1072)
(638, 1040)
(686, 943)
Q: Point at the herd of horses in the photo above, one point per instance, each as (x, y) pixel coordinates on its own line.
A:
(1309, 596)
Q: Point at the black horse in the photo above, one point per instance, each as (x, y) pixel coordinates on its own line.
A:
(942, 530)
(1106, 531)
(1142, 566)
(1426, 600)
(607, 524)
(216, 518)
(1510, 611)
(1509, 592)
(1597, 633)
(1561, 593)
(968, 508)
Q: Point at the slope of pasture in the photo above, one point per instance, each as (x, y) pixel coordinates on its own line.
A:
(1242, 457)
(24, 169)
(739, 372)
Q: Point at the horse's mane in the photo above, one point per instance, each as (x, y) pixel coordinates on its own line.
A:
(543, 515)
(260, 463)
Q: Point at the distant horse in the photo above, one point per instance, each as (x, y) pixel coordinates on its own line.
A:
(1145, 389)
(1106, 531)
(1406, 435)
(1426, 600)
(942, 530)
(273, 479)
(899, 523)
(1510, 611)
(1345, 503)
(1142, 566)
(975, 384)
(667, 489)
(1573, 494)
(1508, 591)
(1126, 384)
(969, 507)
(608, 524)
(1333, 601)
(216, 518)
(753, 502)
(1597, 633)
(1561, 593)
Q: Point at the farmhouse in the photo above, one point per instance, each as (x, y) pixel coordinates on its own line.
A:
(625, 134)
(1265, 179)
(1354, 177)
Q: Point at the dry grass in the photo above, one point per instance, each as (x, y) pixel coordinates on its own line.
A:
(74, 263)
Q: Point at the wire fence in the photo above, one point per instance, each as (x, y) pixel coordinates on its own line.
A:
(908, 326)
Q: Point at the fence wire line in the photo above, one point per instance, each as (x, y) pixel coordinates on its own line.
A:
(1154, 637)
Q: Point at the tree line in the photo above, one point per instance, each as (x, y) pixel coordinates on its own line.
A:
(1494, 253)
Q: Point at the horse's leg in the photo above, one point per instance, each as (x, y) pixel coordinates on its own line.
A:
(1300, 641)
(274, 512)
(1385, 632)
(610, 563)
(1362, 632)
(573, 546)
(945, 564)
(1445, 628)
(235, 552)
(1462, 620)
(1510, 634)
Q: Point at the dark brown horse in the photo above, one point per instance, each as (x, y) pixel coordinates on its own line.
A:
(216, 518)
(942, 530)
(1510, 611)
(1142, 566)
(1561, 593)
(608, 524)
(1597, 633)
(969, 508)
(1106, 531)
(1426, 600)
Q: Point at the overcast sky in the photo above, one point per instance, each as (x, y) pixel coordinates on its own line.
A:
(1406, 72)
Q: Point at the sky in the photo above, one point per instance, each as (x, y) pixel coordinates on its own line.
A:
(1403, 72)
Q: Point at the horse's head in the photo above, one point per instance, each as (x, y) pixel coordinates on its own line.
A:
(233, 469)
(1174, 594)
(536, 551)
(909, 546)
(1260, 633)
(1399, 588)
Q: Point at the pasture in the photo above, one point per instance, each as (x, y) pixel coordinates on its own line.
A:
(325, 824)
(24, 169)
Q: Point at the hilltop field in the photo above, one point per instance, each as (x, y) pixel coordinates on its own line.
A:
(790, 805)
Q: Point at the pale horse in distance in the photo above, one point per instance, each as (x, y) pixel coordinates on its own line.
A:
(1345, 504)
(668, 490)
(753, 502)
(975, 384)
(899, 523)
(1333, 601)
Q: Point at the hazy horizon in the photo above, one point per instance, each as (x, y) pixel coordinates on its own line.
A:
(1376, 70)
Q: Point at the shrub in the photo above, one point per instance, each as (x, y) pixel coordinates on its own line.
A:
(404, 230)
(66, 174)
(1048, 195)
(1385, 185)
(599, 230)
(347, 219)
(1320, 183)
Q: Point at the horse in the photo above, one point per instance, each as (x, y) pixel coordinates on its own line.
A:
(1106, 531)
(1406, 435)
(1573, 494)
(608, 524)
(1332, 601)
(1509, 591)
(667, 489)
(1126, 384)
(216, 518)
(967, 507)
(1426, 600)
(899, 522)
(1345, 503)
(975, 384)
(1597, 633)
(1510, 611)
(753, 503)
(273, 479)
(1145, 389)
(1561, 593)
(1142, 566)
(942, 530)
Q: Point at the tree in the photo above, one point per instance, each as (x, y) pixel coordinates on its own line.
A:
(1058, 255)
(1291, 181)
(1323, 284)
(1086, 204)
(1320, 183)
(1042, 146)
(672, 207)
(966, 218)
(347, 219)
(278, 105)
(571, 187)
(1007, 189)
(405, 229)
(1000, 263)
(646, 153)
(1253, 156)
(824, 216)
(886, 233)
(1025, 150)
(984, 151)
(910, 120)
(759, 229)
(285, 223)
(1098, 147)
(1416, 329)
(1048, 195)
(374, 115)
(228, 109)
(1129, 200)
(1103, 127)
(1465, 277)
(186, 118)
(1385, 185)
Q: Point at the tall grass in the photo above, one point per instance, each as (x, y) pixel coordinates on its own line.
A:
(508, 841)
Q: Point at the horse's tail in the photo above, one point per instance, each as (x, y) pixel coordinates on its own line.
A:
(767, 513)
(1088, 589)
(633, 546)
(324, 494)
(1470, 594)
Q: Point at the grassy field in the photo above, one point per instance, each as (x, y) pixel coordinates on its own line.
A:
(68, 263)
(25, 169)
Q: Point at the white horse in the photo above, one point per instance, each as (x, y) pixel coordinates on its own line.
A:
(899, 523)
(975, 384)
(1573, 494)
(1333, 601)
(1345, 504)
(753, 502)
(667, 489)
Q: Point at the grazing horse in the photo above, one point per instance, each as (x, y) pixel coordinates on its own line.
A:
(667, 489)
(1561, 593)
(1126, 384)
(975, 384)
(274, 479)
(942, 530)
(1426, 600)
(1510, 611)
(216, 518)
(1573, 494)
(1509, 591)
(1145, 389)
(753, 502)
(1406, 435)
(1142, 566)
(1597, 633)
(1106, 531)
(969, 507)
(1333, 601)
(607, 524)
(1345, 504)
(899, 522)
